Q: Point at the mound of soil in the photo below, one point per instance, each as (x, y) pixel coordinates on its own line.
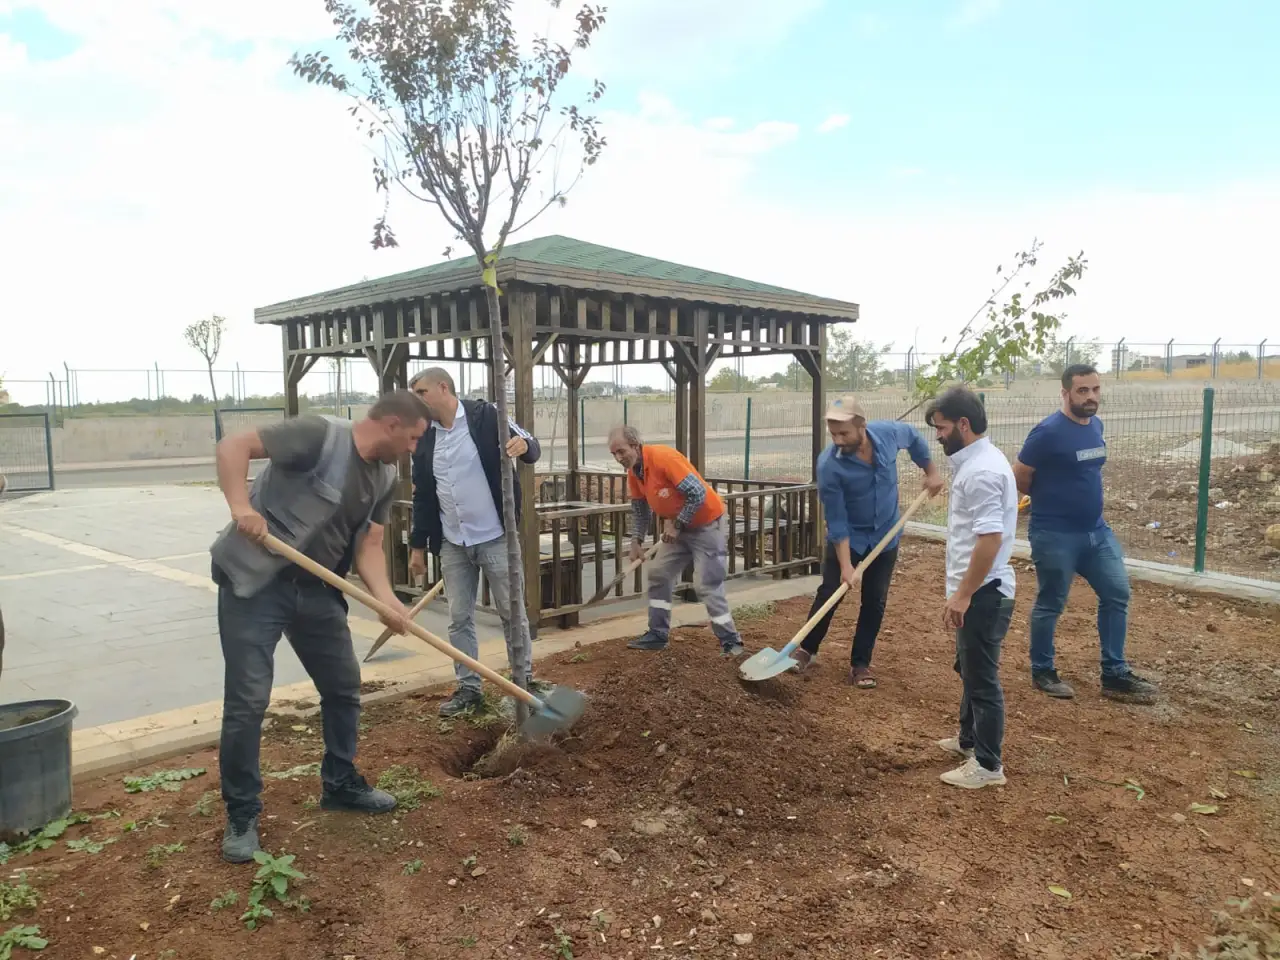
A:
(690, 814)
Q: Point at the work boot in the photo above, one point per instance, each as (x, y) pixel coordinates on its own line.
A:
(1129, 687)
(1049, 682)
(732, 650)
(357, 796)
(463, 699)
(240, 840)
(650, 641)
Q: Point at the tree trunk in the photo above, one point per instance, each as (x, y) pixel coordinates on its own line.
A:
(515, 567)
(213, 390)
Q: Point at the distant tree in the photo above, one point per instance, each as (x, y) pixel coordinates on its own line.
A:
(853, 364)
(205, 337)
(728, 380)
(1055, 358)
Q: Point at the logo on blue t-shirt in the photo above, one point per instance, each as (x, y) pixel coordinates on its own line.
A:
(1066, 489)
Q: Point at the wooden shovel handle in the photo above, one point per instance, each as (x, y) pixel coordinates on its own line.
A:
(862, 565)
(275, 545)
(631, 568)
(416, 609)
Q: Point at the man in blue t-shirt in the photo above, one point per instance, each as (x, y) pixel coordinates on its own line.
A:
(1060, 466)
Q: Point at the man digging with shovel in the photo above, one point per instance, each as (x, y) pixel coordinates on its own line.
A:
(858, 484)
(662, 481)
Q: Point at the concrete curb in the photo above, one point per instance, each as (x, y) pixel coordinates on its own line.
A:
(117, 747)
(1223, 584)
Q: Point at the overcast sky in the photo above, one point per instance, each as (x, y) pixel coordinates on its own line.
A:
(159, 163)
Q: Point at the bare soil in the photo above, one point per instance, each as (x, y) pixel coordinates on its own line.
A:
(689, 813)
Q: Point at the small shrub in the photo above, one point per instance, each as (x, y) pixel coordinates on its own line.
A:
(17, 897)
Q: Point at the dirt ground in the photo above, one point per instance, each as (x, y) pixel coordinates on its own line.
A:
(692, 815)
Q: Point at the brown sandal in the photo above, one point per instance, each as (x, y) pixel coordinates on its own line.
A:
(862, 678)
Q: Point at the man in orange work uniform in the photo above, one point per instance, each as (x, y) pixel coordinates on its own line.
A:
(662, 481)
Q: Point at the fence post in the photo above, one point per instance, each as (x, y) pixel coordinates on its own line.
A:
(48, 448)
(746, 452)
(1202, 486)
(217, 426)
(982, 399)
(582, 431)
(625, 421)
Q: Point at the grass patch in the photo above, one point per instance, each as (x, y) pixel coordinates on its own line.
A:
(753, 611)
(407, 785)
(517, 836)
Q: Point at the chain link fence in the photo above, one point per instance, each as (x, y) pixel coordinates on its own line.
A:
(26, 452)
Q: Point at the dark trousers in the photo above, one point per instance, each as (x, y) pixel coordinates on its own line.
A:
(313, 617)
(978, 663)
(875, 594)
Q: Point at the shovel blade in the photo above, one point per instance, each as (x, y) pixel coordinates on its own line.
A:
(765, 664)
(561, 709)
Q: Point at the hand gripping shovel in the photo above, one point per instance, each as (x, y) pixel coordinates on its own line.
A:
(631, 568)
(559, 710)
(769, 662)
(416, 609)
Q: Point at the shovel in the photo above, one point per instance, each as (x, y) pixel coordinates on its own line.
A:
(769, 662)
(416, 609)
(558, 710)
(631, 568)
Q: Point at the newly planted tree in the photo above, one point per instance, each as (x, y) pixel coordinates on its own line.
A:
(470, 122)
(205, 337)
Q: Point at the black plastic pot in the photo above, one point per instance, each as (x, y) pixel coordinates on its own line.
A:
(35, 764)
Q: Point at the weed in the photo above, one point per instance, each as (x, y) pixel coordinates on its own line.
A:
(16, 897)
(133, 825)
(161, 852)
(407, 786)
(412, 867)
(228, 899)
(204, 806)
(471, 861)
(272, 880)
(311, 803)
(487, 712)
(468, 941)
(90, 845)
(169, 780)
(579, 658)
(563, 945)
(43, 840)
(302, 770)
(517, 836)
(26, 937)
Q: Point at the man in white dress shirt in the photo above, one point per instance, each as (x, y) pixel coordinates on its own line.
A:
(457, 515)
(982, 517)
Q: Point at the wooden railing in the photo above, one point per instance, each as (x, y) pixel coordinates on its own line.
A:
(583, 542)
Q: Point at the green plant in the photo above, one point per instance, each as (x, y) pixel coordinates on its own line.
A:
(467, 941)
(16, 897)
(470, 861)
(170, 780)
(43, 840)
(302, 770)
(412, 867)
(26, 937)
(578, 658)
(161, 852)
(407, 786)
(312, 802)
(134, 825)
(90, 845)
(563, 945)
(204, 806)
(222, 902)
(517, 836)
(272, 881)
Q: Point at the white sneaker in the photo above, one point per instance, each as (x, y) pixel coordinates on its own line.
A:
(972, 775)
(952, 746)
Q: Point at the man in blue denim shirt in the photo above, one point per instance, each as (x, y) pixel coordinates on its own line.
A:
(1060, 466)
(858, 484)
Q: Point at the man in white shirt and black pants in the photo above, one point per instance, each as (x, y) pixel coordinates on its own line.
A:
(982, 517)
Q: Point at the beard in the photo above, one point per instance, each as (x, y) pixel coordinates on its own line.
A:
(952, 444)
(1086, 409)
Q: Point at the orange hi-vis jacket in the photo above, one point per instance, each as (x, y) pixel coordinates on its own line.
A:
(664, 468)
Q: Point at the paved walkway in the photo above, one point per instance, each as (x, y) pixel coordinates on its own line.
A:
(108, 602)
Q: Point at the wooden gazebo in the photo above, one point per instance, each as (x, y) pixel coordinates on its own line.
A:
(572, 305)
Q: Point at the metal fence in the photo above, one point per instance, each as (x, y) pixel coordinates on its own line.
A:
(26, 451)
(1170, 496)
(232, 419)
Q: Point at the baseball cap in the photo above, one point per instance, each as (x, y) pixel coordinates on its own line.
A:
(845, 408)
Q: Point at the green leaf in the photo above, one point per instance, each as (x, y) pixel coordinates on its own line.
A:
(1204, 809)
(1062, 892)
(280, 885)
(1055, 818)
(1136, 787)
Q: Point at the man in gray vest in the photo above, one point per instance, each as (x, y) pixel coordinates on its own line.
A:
(327, 491)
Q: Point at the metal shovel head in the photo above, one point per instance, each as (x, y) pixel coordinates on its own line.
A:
(561, 709)
(765, 664)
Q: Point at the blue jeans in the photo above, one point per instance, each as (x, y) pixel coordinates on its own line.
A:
(978, 644)
(314, 618)
(1097, 557)
(461, 567)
